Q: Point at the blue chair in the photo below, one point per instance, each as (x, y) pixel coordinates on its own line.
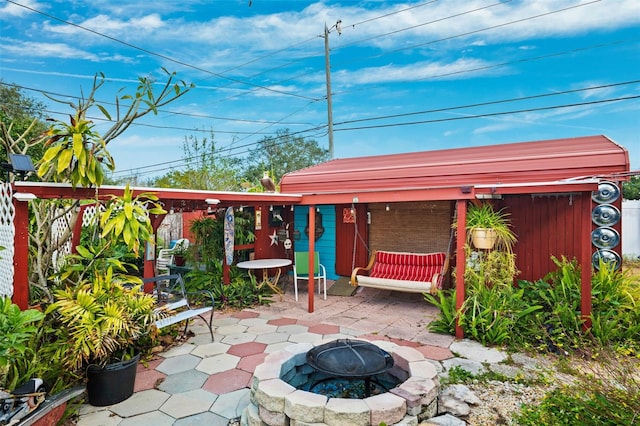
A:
(301, 271)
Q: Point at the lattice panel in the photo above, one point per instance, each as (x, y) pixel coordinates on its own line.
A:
(59, 227)
(7, 235)
(89, 215)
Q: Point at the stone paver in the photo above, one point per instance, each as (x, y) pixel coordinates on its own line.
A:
(269, 338)
(474, 351)
(188, 404)
(208, 418)
(246, 349)
(218, 363)
(230, 329)
(155, 418)
(210, 349)
(178, 364)
(231, 405)
(205, 382)
(183, 382)
(141, 402)
(249, 363)
(227, 381)
(236, 339)
(148, 379)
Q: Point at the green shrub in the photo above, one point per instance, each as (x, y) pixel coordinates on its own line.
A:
(18, 345)
(446, 302)
(241, 292)
(545, 314)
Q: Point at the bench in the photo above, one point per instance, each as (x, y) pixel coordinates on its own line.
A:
(400, 271)
(175, 304)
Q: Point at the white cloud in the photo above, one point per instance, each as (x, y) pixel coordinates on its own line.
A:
(411, 72)
(11, 10)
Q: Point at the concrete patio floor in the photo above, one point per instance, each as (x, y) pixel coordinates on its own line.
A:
(204, 382)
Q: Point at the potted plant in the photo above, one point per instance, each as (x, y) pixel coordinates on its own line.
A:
(180, 251)
(102, 318)
(488, 228)
(100, 310)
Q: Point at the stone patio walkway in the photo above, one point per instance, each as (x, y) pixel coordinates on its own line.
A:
(203, 382)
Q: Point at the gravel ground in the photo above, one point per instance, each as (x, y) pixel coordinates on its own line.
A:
(501, 400)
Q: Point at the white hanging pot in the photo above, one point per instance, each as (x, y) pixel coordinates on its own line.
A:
(483, 238)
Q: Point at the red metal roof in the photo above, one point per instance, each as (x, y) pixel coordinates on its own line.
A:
(506, 164)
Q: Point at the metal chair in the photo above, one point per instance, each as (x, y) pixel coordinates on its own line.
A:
(301, 271)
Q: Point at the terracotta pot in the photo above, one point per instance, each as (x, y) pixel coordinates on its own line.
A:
(483, 238)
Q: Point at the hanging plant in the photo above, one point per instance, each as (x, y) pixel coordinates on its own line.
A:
(496, 225)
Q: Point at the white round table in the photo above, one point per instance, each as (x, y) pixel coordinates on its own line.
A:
(265, 265)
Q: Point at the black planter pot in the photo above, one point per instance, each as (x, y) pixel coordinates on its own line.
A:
(112, 383)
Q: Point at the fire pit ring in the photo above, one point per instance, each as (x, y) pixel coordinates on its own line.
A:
(278, 394)
(350, 358)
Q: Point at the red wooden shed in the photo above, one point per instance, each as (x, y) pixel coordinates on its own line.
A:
(546, 186)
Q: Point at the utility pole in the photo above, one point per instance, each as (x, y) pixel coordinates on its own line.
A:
(327, 68)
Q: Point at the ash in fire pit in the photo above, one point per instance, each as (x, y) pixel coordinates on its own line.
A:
(344, 363)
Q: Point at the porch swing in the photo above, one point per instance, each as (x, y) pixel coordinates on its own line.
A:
(403, 271)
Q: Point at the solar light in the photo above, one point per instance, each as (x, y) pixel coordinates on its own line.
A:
(18, 163)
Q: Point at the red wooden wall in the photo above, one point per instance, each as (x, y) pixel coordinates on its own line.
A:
(546, 225)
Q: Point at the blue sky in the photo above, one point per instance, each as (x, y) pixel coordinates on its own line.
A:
(405, 76)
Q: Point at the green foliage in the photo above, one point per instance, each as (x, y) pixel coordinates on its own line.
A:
(241, 292)
(21, 121)
(603, 393)
(615, 310)
(545, 314)
(18, 345)
(281, 154)
(493, 314)
(631, 189)
(127, 218)
(490, 267)
(75, 153)
(207, 168)
(100, 319)
(457, 374)
(446, 302)
(484, 216)
(208, 231)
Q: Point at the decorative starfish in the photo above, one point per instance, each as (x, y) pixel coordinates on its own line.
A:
(274, 237)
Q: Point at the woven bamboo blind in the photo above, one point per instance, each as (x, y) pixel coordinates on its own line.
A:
(419, 227)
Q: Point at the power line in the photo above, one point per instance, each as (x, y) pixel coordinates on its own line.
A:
(493, 114)
(522, 98)
(183, 114)
(160, 55)
(457, 35)
(421, 25)
(449, 119)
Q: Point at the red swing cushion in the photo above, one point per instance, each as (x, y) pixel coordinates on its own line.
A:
(407, 266)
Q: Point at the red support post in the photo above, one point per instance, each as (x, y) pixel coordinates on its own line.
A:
(461, 206)
(585, 262)
(150, 253)
(21, 255)
(312, 249)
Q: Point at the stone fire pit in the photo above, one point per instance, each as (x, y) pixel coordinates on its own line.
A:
(277, 401)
